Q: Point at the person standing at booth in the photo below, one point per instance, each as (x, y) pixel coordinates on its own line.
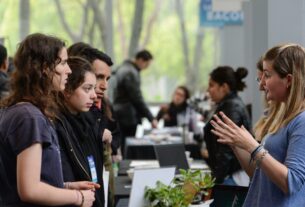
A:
(276, 165)
(128, 101)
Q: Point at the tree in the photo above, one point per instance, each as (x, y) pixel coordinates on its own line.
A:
(24, 18)
(106, 32)
(191, 70)
(76, 37)
(136, 27)
(137, 22)
(121, 30)
(109, 28)
(150, 23)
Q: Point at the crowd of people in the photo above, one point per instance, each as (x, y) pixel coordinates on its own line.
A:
(59, 130)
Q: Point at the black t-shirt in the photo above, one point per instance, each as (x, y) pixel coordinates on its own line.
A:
(21, 126)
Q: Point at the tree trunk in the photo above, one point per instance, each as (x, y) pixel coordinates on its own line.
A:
(24, 18)
(91, 32)
(194, 73)
(152, 19)
(121, 30)
(100, 20)
(187, 65)
(109, 28)
(76, 37)
(136, 28)
(191, 70)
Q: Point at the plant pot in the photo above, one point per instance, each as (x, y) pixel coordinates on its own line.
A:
(190, 191)
(208, 196)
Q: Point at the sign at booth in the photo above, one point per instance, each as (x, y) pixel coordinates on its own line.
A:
(211, 18)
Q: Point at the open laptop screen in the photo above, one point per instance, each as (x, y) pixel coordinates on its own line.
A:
(171, 155)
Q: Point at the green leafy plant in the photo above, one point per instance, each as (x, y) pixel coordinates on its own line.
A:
(186, 188)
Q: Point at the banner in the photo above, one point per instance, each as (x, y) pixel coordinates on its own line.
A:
(210, 18)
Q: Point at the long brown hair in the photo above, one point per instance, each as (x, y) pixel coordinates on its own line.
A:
(35, 61)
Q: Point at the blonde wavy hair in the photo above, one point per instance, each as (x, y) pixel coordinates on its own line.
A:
(287, 59)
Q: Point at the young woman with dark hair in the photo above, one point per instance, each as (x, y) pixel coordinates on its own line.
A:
(29, 149)
(224, 84)
(81, 147)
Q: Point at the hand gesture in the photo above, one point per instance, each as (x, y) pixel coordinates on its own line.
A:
(82, 185)
(229, 133)
(154, 123)
(107, 136)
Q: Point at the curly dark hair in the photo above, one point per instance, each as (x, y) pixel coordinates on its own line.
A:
(35, 61)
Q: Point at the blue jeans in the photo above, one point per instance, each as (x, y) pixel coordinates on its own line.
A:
(229, 181)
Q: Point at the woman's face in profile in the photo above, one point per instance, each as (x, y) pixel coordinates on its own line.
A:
(179, 97)
(276, 88)
(216, 91)
(82, 98)
(62, 70)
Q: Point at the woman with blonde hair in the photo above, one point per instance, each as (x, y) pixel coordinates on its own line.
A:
(277, 165)
(271, 109)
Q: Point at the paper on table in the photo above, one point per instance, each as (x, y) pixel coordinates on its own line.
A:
(146, 163)
(199, 165)
(106, 184)
(140, 181)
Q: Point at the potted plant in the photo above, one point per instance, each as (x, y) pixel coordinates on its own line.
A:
(190, 187)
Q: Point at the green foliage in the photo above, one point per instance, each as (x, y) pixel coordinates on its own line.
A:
(183, 190)
(167, 70)
(164, 195)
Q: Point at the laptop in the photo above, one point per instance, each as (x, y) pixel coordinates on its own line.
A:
(228, 196)
(148, 177)
(171, 155)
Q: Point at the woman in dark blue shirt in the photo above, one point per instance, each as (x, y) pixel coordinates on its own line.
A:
(28, 143)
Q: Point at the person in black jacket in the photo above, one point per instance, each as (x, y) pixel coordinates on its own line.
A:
(170, 112)
(101, 114)
(128, 102)
(81, 146)
(101, 110)
(223, 86)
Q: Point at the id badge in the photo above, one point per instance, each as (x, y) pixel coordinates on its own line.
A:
(92, 168)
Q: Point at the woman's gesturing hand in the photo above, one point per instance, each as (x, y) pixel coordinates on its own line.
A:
(229, 133)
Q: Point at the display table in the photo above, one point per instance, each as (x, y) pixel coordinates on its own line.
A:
(143, 149)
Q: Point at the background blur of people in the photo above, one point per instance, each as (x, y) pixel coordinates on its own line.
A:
(4, 78)
(179, 113)
(128, 102)
(170, 112)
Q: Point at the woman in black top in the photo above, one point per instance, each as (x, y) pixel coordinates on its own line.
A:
(223, 86)
(170, 112)
(81, 144)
